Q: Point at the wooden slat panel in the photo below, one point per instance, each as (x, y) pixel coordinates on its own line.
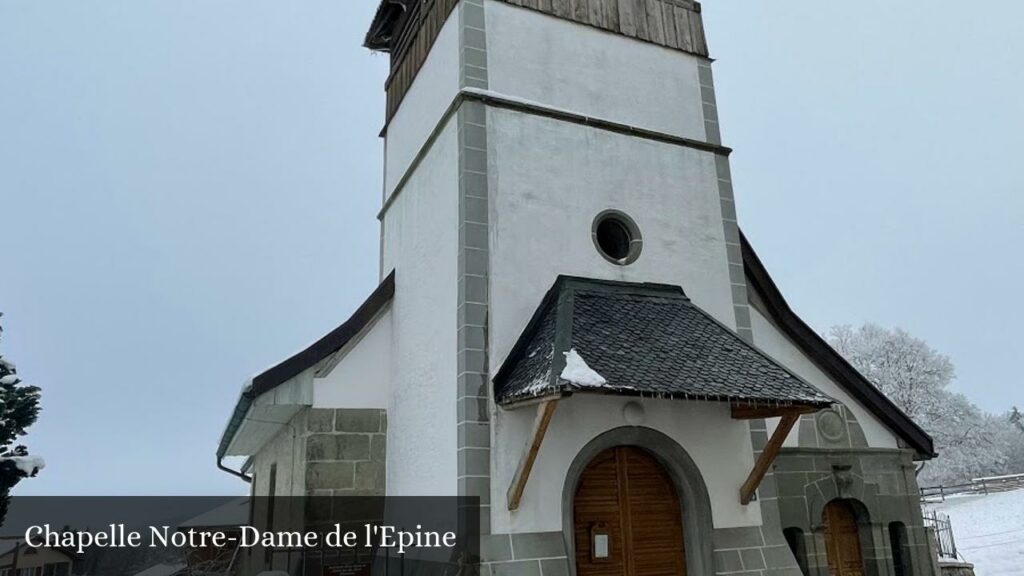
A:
(611, 15)
(562, 8)
(683, 33)
(410, 49)
(655, 26)
(668, 18)
(627, 18)
(697, 29)
(596, 15)
(581, 11)
(640, 13)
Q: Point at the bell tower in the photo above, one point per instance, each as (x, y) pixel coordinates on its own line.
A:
(525, 139)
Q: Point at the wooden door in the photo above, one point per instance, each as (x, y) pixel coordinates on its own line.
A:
(627, 505)
(842, 540)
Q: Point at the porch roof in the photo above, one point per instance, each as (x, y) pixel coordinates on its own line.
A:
(644, 340)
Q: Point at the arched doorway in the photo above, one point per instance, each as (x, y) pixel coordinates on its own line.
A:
(627, 518)
(842, 539)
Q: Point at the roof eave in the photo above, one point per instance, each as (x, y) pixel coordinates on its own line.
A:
(381, 30)
(830, 361)
(329, 344)
(235, 421)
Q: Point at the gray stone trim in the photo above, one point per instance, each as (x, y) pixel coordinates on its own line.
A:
(727, 201)
(472, 45)
(345, 451)
(689, 485)
(473, 403)
(546, 547)
(765, 548)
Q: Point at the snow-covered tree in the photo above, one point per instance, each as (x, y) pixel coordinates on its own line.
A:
(1013, 440)
(916, 378)
(906, 369)
(19, 408)
(1016, 419)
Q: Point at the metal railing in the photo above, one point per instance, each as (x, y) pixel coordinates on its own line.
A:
(942, 529)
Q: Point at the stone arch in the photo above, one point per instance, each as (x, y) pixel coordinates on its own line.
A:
(835, 427)
(843, 484)
(685, 475)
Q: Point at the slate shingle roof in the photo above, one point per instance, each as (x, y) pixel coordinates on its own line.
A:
(645, 340)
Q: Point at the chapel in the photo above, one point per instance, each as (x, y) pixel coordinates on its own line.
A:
(571, 326)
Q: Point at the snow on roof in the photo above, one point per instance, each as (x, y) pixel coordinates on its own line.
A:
(577, 371)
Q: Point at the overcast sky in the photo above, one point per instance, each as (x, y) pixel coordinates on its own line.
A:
(188, 191)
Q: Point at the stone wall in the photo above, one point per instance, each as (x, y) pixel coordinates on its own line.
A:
(345, 452)
(880, 484)
(956, 569)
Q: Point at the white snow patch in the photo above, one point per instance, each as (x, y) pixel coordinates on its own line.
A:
(9, 379)
(989, 531)
(7, 364)
(577, 372)
(27, 464)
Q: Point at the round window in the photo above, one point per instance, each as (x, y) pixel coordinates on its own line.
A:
(617, 237)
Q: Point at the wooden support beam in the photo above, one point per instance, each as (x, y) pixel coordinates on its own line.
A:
(764, 461)
(545, 410)
(750, 412)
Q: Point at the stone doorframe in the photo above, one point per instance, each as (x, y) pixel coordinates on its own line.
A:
(686, 477)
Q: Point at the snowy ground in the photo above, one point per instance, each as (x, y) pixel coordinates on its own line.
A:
(989, 531)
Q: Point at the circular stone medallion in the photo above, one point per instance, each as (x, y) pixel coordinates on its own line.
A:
(831, 425)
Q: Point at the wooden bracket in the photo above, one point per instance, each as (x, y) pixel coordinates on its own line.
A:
(767, 457)
(545, 410)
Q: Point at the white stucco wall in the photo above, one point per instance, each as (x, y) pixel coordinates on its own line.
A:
(428, 98)
(421, 243)
(550, 179)
(725, 457)
(571, 66)
(287, 450)
(772, 341)
(362, 376)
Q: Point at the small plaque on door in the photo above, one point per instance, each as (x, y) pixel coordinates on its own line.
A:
(600, 546)
(600, 543)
